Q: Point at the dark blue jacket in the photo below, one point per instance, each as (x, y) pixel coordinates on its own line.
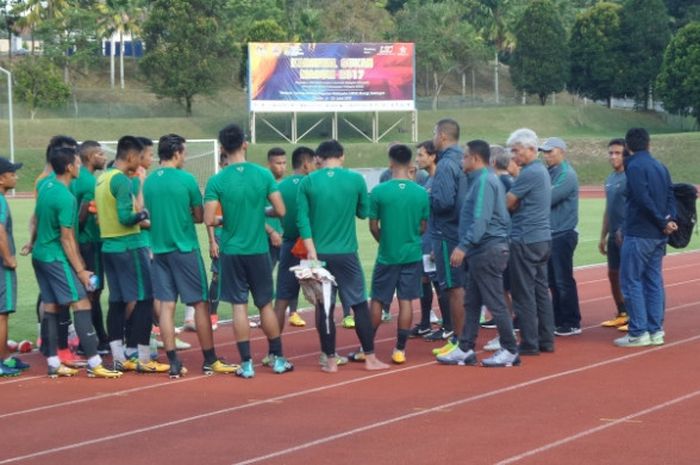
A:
(650, 204)
(447, 194)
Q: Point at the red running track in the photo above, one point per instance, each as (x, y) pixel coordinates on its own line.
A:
(589, 402)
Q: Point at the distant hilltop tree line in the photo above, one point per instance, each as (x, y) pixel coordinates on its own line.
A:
(640, 49)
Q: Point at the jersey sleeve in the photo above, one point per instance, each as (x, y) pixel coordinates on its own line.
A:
(194, 193)
(373, 204)
(303, 221)
(211, 192)
(66, 216)
(522, 184)
(121, 188)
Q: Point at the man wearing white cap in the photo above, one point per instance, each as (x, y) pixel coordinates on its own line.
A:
(563, 221)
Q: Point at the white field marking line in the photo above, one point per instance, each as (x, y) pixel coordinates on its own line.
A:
(670, 268)
(278, 399)
(19, 379)
(666, 286)
(604, 264)
(597, 429)
(449, 405)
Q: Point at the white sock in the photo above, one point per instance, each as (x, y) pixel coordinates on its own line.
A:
(94, 361)
(189, 313)
(144, 353)
(117, 348)
(54, 361)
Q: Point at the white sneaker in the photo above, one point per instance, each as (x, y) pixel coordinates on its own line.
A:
(458, 357)
(657, 338)
(433, 317)
(632, 341)
(493, 345)
(501, 358)
(189, 325)
(182, 345)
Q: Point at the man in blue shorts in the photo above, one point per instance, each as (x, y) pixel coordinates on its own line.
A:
(242, 189)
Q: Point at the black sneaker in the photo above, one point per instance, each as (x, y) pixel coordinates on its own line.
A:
(103, 348)
(489, 324)
(438, 335)
(419, 331)
(567, 331)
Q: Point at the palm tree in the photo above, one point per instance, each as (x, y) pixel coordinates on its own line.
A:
(33, 12)
(120, 17)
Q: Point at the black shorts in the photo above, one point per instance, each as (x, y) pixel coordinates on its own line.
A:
(180, 274)
(405, 279)
(448, 276)
(58, 283)
(239, 274)
(274, 254)
(287, 284)
(348, 275)
(92, 256)
(128, 275)
(8, 290)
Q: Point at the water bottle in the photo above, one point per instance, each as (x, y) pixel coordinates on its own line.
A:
(93, 283)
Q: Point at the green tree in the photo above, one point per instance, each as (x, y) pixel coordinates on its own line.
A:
(678, 83)
(596, 62)
(266, 30)
(38, 82)
(119, 17)
(540, 63)
(645, 30)
(445, 42)
(189, 49)
(683, 11)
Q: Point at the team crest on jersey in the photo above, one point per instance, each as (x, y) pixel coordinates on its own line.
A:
(296, 181)
(331, 174)
(160, 172)
(402, 185)
(240, 169)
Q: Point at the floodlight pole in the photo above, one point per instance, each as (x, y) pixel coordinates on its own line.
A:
(9, 113)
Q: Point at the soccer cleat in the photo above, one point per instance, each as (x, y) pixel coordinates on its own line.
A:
(567, 331)
(254, 321)
(101, 372)
(502, 358)
(439, 335)
(447, 348)
(282, 365)
(657, 338)
(188, 325)
(152, 366)
(219, 367)
(419, 331)
(182, 345)
(268, 360)
(125, 365)
(633, 341)
(214, 322)
(6, 372)
(349, 322)
(623, 328)
(358, 356)
(434, 318)
(296, 320)
(386, 316)
(458, 357)
(619, 320)
(339, 359)
(62, 371)
(398, 356)
(493, 345)
(246, 370)
(155, 330)
(15, 364)
(176, 370)
(69, 359)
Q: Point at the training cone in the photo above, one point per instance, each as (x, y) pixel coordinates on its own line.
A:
(12, 345)
(25, 346)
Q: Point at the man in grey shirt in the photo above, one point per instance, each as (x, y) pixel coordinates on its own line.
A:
(563, 221)
(529, 202)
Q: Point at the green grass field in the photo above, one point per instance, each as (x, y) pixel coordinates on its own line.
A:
(23, 322)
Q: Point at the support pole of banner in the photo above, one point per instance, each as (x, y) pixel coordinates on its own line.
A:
(334, 126)
(414, 126)
(295, 139)
(375, 127)
(252, 127)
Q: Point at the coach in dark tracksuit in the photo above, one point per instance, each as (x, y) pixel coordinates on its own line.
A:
(529, 202)
(563, 220)
(483, 238)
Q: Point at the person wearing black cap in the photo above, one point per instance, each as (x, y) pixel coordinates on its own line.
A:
(563, 220)
(9, 366)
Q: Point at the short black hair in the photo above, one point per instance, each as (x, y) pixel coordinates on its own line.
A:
(481, 149)
(637, 139)
(86, 148)
(128, 144)
(169, 145)
(61, 157)
(330, 149)
(429, 147)
(145, 141)
(301, 154)
(617, 141)
(400, 154)
(449, 127)
(276, 152)
(231, 138)
(59, 141)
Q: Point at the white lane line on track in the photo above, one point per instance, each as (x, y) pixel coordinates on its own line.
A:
(438, 408)
(597, 429)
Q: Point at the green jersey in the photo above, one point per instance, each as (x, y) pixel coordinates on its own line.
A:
(115, 211)
(6, 221)
(400, 205)
(329, 200)
(170, 194)
(136, 188)
(289, 188)
(55, 209)
(43, 180)
(83, 188)
(242, 190)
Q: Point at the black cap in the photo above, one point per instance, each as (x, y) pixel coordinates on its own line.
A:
(6, 166)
